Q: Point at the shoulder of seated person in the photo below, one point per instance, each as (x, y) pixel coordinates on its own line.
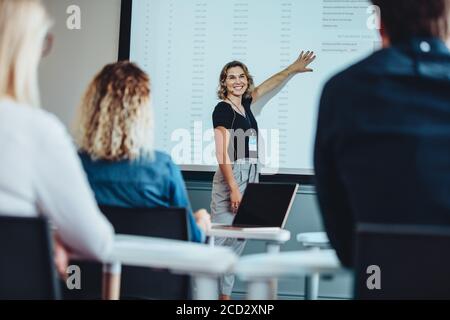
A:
(158, 160)
(37, 120)
(162, 156)
(375, 64)
(49, 124)
(162, 159)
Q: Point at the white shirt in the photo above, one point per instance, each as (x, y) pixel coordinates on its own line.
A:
(41, 174)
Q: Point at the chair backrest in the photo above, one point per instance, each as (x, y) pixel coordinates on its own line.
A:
(169, 223)
(27, 271)
(406, 261)
(137, 282)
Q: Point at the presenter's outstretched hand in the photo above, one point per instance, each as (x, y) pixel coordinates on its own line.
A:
(302, 63)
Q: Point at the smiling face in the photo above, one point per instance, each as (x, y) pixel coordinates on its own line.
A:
(236, 82)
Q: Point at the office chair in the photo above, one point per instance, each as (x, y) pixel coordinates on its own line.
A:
(137, 282)
(27, 271)
(413, 262)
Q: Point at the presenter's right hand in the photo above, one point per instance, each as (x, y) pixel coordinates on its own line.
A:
(235, 199)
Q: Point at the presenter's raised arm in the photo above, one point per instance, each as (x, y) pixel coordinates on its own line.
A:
(301, 65)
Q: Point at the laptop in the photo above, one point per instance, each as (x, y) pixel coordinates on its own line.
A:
(264, 207)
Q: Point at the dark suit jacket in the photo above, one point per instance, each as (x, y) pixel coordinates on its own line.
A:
(382, 152)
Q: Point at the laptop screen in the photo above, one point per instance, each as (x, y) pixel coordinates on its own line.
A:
(265, 205)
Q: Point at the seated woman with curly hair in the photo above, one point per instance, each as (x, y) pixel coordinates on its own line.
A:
(114, 133)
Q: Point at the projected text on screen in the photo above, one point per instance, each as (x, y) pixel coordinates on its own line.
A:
(183, 45)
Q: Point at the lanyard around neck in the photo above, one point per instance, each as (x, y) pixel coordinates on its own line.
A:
(237, 109)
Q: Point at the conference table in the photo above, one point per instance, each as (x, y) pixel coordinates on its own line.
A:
(284, 265)
(273, 239)
(313, 241)
(203, 263)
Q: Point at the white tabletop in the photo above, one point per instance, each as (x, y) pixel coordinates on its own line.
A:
(296, 263)
(279, 235)
(181, 256)
(313, 239)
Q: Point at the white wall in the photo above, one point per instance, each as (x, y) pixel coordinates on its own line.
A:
(77, 55)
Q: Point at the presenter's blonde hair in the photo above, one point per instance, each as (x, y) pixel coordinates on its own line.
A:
(24, 25)
(115, 120)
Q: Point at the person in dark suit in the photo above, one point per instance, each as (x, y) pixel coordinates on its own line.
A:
(382, 151)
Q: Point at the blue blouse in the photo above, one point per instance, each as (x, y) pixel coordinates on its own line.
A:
(141, 183)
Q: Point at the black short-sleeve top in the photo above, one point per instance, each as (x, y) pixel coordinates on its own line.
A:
(242, 129)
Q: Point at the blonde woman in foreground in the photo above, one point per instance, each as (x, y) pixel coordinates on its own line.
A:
(40, 173)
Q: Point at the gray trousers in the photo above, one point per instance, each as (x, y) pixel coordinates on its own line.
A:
(244, 173)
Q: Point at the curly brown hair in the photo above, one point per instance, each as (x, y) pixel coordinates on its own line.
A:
(222, 92)
(404, 19)
(115, 119)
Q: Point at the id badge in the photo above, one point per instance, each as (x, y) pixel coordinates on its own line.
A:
(253, 144)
